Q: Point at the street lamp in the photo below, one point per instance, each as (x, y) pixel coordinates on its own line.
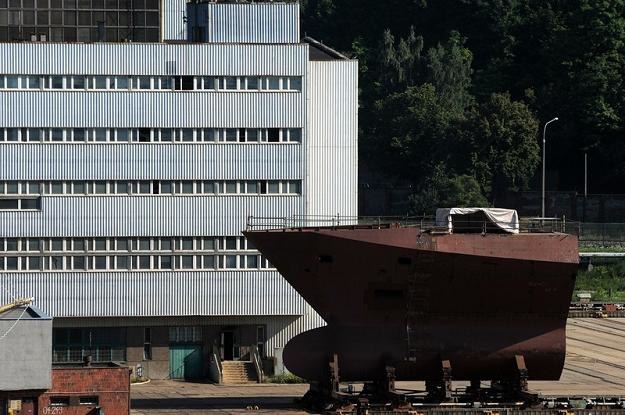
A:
(544, 135)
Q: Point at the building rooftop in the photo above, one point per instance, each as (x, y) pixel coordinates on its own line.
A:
(321, 52)
(31, 313)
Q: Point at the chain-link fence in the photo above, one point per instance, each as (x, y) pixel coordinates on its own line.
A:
(597, 234)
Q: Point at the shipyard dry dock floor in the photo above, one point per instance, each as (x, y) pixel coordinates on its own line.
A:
(595, 365)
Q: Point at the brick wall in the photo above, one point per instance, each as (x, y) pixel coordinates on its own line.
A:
(73, 390)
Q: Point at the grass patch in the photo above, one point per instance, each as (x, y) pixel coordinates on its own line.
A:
(601, 248)
(606, 281)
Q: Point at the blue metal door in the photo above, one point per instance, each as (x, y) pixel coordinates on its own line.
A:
(185, 361)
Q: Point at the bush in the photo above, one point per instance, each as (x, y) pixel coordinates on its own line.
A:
(606, 281)
(285, 378)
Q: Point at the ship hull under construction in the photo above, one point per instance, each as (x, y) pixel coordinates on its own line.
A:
(398, 296)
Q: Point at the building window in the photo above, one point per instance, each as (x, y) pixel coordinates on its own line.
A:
(148, 135)
(88, 400)
(147, 343)
(186, 334)
(59, 400)
(260, 340)
(102, 344)
(139, 82)
(112, 254)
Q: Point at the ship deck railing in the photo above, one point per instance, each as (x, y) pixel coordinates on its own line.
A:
(425, 223)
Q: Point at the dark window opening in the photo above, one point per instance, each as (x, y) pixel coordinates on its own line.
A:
(147, 343)
(184, 83)
(389, 294)
(88, 400)
(6, 204)
(325, 258)
(144, 135)
(241, 135)
(59, 401)
(31, 204)
(404, 261)
(273, 135)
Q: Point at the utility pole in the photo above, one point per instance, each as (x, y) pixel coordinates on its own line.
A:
(544, 154)
(585, 175)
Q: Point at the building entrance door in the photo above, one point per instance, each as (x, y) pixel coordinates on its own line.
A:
(185, 361)
(228, 341)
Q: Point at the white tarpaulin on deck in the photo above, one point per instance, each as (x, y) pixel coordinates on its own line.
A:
(505, 219)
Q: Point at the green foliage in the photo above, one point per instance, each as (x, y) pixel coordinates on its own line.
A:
(443, 191)
(286, 378)
(410, 131)
(502, 141)
(449, 70)
(606, 281)
(489, 73)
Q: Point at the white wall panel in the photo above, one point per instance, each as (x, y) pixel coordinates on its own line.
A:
(144, 215)
(253, 23)
(152, 109)
(174, 13)
(153, 59)
(96, 161)
(332, 146)
(193, 293)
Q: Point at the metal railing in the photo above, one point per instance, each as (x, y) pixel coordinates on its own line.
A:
(258, 363)
(426, 223)
(301, 221)
(215, 366)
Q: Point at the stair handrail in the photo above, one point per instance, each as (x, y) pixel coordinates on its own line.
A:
(218, 365)
(258, 365)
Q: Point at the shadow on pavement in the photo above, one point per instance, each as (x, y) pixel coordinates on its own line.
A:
(264, 402)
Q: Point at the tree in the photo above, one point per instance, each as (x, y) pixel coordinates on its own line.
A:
(502, 137)
(443, 190)
(449, 70)
(411, 129)
(410, 134)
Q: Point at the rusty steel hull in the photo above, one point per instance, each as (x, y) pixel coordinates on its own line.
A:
(397, 296)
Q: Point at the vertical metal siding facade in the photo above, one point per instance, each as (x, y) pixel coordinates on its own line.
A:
(153, 59)
(152, 109)
(332, 147)
(173, 26)
(326, 161)
(180, 161)
(137, 294)
(101, 216)
(253, 23)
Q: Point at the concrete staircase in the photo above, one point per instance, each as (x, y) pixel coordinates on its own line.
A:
(237, 372)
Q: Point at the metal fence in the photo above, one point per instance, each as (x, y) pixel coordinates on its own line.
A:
(467, 224)
(598, 234)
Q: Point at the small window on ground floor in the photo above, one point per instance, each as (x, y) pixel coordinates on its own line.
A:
(88, 400)
(59, 400)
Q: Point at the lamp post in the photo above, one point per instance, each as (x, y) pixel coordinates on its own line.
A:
(544, 151)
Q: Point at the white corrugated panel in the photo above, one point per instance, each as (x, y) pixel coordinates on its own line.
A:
(86, 216)
(96, 161)
(125, 294)
(152, 109)
(332, 150)
(253, 23)
(174, 16)
(153, 59)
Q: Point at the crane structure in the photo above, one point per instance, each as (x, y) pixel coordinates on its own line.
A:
(18, 302)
